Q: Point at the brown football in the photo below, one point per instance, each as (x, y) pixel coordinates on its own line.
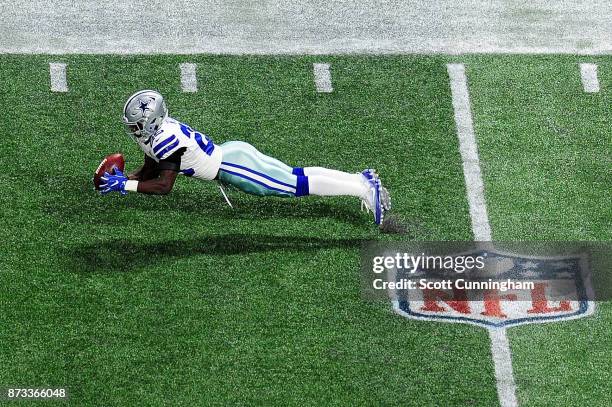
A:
(107, 165)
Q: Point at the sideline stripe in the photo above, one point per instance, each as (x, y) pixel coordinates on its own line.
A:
(322, 77)
(57, 72)
(588, 74)
(500, 347)
(189, 82)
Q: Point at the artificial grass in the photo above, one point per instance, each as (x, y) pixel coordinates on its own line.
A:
(182, 300)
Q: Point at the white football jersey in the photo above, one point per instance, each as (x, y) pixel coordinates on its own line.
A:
(201, 158)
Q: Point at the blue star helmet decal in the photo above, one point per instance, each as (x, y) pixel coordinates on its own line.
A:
(143, 106)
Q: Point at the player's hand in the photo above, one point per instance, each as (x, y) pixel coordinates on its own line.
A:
(113, 182)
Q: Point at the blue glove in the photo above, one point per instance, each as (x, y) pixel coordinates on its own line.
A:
(114, 182)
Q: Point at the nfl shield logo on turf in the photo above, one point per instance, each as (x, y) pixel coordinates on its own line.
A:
(530, 290)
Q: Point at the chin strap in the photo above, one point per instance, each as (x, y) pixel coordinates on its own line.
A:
(225, 196)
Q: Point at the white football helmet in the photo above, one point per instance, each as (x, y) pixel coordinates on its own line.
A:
(143, 113)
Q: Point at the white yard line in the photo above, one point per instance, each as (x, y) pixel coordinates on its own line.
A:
(322, 78)
(500, 347)
(189, 81)
(469, 153)
(588, 74)
(57, 73)
(502, 360)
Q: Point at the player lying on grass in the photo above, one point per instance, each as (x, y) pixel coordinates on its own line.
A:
(173, 148)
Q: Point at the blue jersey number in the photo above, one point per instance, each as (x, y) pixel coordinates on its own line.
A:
(203, 141)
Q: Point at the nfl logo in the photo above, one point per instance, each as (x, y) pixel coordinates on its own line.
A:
(556, 289)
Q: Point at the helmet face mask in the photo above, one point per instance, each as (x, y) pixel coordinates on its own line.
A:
(144, 113)
(133, 128)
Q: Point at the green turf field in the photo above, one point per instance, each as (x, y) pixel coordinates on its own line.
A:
(180, 300)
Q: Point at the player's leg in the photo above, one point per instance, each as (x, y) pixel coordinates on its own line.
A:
(322, 181)
(335, 174)
(322, 185)
(365, 185)
(329, 182)
(313, 171)
(249, 170)
(332, 175)
(254, 173)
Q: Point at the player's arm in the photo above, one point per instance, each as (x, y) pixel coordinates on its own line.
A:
(167, 169)
(148, 170)
(162, 185)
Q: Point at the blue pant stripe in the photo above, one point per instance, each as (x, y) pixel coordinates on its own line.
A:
(258, 173)
(257, 181)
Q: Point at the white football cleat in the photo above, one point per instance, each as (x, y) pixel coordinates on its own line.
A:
(373, 203)
(385, 198)
(369, 174)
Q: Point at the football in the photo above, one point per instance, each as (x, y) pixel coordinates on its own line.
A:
(107, 165)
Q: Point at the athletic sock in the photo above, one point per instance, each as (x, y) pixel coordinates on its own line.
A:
(339, 175)
(330, 186)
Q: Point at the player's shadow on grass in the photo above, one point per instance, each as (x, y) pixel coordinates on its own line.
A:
(126, 255)
(94, 209)
(248, 207)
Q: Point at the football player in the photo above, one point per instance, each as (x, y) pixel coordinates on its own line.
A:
(172, 148)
